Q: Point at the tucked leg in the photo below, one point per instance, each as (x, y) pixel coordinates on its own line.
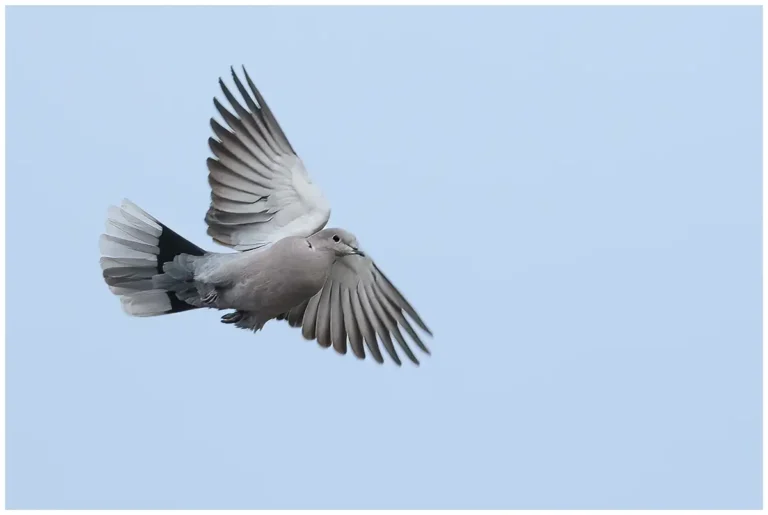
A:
(210, 298)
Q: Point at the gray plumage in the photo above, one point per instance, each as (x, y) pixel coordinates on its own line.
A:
(264, 205)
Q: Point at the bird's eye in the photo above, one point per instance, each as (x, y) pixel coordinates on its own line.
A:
(336, 238)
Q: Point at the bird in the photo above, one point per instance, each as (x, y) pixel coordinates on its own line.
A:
(286, 265)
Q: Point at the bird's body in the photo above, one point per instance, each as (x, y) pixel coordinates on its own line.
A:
(274, 280)
(262, 283)
(264, 205)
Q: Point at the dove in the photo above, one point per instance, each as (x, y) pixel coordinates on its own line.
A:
(286, 265)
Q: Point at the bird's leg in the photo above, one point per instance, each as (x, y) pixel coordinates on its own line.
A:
(232, 318)
(210, 298)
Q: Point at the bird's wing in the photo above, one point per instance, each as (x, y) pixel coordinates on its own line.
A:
(356, 304)
(260, 190)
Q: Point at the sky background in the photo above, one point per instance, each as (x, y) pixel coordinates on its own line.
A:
(571, 198)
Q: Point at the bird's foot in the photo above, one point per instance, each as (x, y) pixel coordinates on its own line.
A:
(232, 318)
(210, 298)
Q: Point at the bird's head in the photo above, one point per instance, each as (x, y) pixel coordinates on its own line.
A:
(340, 242)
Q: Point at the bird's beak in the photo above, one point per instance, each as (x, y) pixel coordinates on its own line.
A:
(358, 252)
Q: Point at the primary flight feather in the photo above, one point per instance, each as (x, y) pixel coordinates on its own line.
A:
(288, 265)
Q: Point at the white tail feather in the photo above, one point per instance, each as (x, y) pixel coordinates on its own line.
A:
(146, 303)
(130, 250)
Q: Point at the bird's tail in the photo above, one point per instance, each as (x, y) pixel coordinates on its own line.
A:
(134, 250)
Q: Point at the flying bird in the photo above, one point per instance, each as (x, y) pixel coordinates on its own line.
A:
(287, 266)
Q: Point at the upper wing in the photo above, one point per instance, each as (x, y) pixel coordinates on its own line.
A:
(356, 304)
(261, 191)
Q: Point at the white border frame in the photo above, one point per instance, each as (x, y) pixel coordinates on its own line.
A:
(347, 2)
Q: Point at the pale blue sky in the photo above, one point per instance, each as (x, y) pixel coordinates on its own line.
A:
(571, 197)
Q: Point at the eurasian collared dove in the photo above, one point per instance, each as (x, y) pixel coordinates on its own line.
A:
(263, 204)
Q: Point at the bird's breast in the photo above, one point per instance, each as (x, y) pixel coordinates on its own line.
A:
(287, 278)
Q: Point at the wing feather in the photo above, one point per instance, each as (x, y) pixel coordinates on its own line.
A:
(389, 323)
(245, 124)
(400, 301)
(369, 335)
(237, 163)
(397, 314)
(323, 319)
(220, 174)
(310, 318)
(373, 317)
(274, 127)
(257, 116)
(338, 335)
(350, 324)
(296, 315)
(250, 155)
(236, 206)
